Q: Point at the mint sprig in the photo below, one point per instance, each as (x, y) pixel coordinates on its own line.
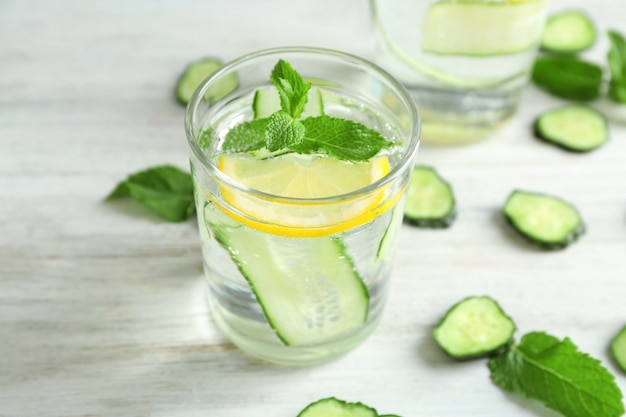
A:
(285, 131)
(559, 375)
(292, 89)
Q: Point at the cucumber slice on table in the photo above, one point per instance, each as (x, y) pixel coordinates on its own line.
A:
(618, 348)
(430, 199)
(474, 327)
(301, 311)
(266, 102)
(568, 32)
(575, 128)
(195, 73)
(544, 220)
(333, 407)
(462, 27)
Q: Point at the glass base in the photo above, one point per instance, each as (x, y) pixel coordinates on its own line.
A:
(451, 117)
(256, 338)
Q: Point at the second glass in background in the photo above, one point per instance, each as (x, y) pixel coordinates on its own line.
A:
(465, 62)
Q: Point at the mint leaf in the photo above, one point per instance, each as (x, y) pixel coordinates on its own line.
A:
(568, 77)
(283, 131)
(556, 373)
(246, 137)
(292, 89)
(165, 189)
(617, 67)
(341, 138)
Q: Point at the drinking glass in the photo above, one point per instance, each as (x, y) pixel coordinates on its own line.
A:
(465, 62)
(294, 280)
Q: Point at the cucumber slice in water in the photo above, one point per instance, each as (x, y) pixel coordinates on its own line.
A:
(267, 101)
(544, 220)
(576, 128)
(387, 243)
(430, 199)
(618, 348)
(463, 27)
(305, 300)
(333, 407)
(568, 32)
(474, 327)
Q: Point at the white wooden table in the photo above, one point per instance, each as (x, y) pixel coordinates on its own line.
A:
(102, 309)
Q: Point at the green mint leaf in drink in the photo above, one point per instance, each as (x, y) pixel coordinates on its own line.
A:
(292, 89)
(283, 131)
(556, 373)
(245, 137)
(568, 77)
(617, 67)
(166, 190)
(340, 138)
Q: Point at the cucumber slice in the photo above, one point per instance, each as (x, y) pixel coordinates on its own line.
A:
(305, 301)
(267, 101)
(575, 128)
(430, 199)
(333, 407)
(195, 73)
(462, 27)
(474, 327)
(568, 77)
(568, 32)
(387, 243)
(618, 348)
(544, 220)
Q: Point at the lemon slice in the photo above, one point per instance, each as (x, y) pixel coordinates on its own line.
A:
(302, 179)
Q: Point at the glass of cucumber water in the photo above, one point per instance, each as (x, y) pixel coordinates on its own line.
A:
(464, 61)
(300, 159)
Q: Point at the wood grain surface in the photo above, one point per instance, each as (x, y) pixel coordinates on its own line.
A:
(102, 306)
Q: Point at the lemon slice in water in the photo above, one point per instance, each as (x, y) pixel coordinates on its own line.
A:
(302, 179)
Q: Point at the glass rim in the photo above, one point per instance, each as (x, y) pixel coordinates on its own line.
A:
(224, 179)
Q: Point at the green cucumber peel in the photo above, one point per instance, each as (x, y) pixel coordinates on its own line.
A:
(332, 406)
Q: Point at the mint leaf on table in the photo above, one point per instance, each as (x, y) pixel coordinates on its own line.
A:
(166, 190)
(617, 67)
(556, 373)
(568, 77)
(341, 138)
(292, 89)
